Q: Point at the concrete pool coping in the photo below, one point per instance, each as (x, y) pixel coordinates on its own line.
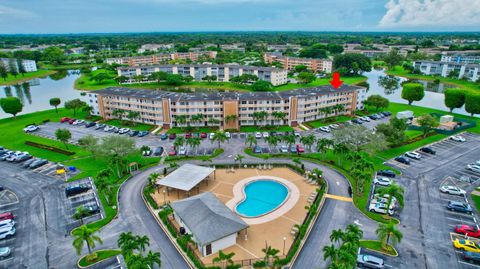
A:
(289, 202)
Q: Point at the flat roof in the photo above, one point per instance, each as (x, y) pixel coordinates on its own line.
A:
(247, 67)
(186, 177)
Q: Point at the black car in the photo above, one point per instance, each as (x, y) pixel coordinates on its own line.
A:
(387, 113)
(38, 163)
(428, 150)
(133, 133)
(158, 151)
(459, 207)
(142, 133)
(2, 188)
(357, 121)
(373, 117)
(89, 124)
(27, 163)
(402, 159)
(386, 173)
(76, 189)
(471, 256)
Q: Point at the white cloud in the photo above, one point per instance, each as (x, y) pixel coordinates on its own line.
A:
(16, 13)
(410, 13)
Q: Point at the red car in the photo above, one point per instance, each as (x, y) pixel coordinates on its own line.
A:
(467, 230)
(188, 135)
(172, 136)
(172, 152)
(300, 149)
(203, 135)
(64, 119)
(6, 216)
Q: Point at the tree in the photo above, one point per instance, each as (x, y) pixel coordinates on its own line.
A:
(394, 131)
(100, 77)
(115, 150)
(278, 115)
(352, 63)
(272, 140)
(179, 142)
(153, 258)
(300, 68)
(55, 102)
(12, 67)
(209, 78)
(261, 86)
(394, 190)
(63, 135)
(143, 242)
(322, 145)
(21, 68)
(220, 137)
(393, 58)
(54, 55)
(314, 51)
(180, 119)
(3, 71)
(132, 115)
(306, 77)
(224, 259)
(121, 79)
(89, 142)
(85, 235)
(127, 243)
(251, 140)
(330, 252)
(335, 48)
(238, 158)
(387, 231)
(472, 103)
(413, 92)
(289, 139)
(159, 76)
(308, 141)
(454, 98)
(174, 79)
(118, 113)
(377, 101)
(136, 261)
(194, 142)
(74, 105)
(427, 122)
(359, 138)
(80, 213)
(11, 105)
(270, 253)
(152, 179)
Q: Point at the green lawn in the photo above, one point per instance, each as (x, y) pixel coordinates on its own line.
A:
(376, 245)
(64, 66)
(320, 123)
(134, 126)
(84, 82)
(10, 80)
(321, 82)
(399, 71)
(476, 201)
(102, 255)
(182, 130)
(251, 129)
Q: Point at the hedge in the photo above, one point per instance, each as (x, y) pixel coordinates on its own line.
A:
(50, 148)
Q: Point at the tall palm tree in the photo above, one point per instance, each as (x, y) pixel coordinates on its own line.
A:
(142, 242)
(179, 142)
(355, 230)
(388, 231)
(308, 141)
(80, 213)
(213, 121)
(330, 252)
(153, 258)
(180, 119)
(336, 235)
(289, 139)
(137, 261)
(194, 142)
(224, 258)
(322, 146)
(251, 140)
(270, 252)
(152, 179)
(272, 141)
(132, 115)
(197, 118)
(220, 137)
(263, 116)
(118, 113)
(127, 243)
(394, 190)
(239, 158)
(256, 117)
(85, 235)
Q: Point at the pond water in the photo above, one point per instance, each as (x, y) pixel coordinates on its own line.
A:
(434, 97)
(36, 94)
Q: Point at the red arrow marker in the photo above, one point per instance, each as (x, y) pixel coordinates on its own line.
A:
(336, 82)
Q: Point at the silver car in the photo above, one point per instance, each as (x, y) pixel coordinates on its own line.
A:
(370, 261)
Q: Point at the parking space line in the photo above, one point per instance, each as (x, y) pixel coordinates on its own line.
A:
(6, 260)
(470, 264)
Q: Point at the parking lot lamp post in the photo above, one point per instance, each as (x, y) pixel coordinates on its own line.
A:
(284, 239)
(164, 197)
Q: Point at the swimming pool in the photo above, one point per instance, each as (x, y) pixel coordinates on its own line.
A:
(261, 197)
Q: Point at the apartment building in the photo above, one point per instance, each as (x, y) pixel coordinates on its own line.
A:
(223, 73)
(469, 71)
(289, 63)
(155, 47)
(283, 47)
(28, 65)
(161, 58)
(461, 57)
(163, 108)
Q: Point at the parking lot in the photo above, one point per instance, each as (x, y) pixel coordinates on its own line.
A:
(427, 224)
(86, 199)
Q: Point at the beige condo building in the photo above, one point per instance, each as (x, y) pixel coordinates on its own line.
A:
(289, 63)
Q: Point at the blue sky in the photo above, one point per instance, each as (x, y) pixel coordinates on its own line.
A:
(75, 16)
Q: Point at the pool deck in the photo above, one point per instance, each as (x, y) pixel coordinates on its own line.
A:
(268, 229)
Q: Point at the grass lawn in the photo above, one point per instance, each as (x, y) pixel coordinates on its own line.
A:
(10, 80)
(413, 133)
(64, 66)
(462, 84)
(134, 126)
(320, 123)
(476, 201)
(84, 82)
(101, 255)
(376, 245)
(320, 82)
(251, 129)
(182, 130)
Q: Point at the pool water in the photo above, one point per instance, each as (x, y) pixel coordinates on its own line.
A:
(261, 197)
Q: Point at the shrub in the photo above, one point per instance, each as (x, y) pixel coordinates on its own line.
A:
(50, 148)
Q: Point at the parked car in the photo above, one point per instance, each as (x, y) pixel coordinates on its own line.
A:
(402, 159)
(71, 121)
(300, 149)
(5, 252)
(293, 149)
(374, 117)
(164, 136)
(211, 136)
(196, 135)
(19, 156)
(172, 151)
(89, 124)
(38, 163)
(203, 135)
(182, 151)
(386, 173)
(283, 149)
(369, 261)
(413, 155)
(123, 130)
(380, 208)
(92, 209)
(158, 151)
(428, 150)
(473, 257)
(28, 162)
(133, 133)
(265, 134)
(23, 158)
(258, 135)
(365, 119)
(78, 122)
(467, 230)
(325, 129)
(142, 133)
(188, 135)
(228, 135)
(115, 129)
(7, 223)
(172, 136)
(30, 128)
(466, 245)
(7, 232)
(334, 126)
(473, 167)
(382, 181)
(99, 126)
(147, 152)
(108, 128)
(459, 207)
(6, 215)
(76, 189)
(452, 190)
(65, 119)
(357, 121)
(457, 138)
(257, 149)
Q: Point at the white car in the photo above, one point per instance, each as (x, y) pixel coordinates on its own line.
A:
(12, 157)
(384, 198)
(227, 134)
(452, 190)
(284, 149)
(458, 138)
(477, 162)
(182, 151)
(108, 128)
(258, 135)
(7, 232)
(380, 208)
(30, 128)
(7, 223)
(382, 181)
(413, 155)
(265, 134)
(334, 126)
(123, 130)
(325, 129)
(474, 168)
(297, 134)
(78, 122)
(211, 136)
(365, 118)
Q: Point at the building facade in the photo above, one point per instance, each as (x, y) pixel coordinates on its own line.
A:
(468, 71)
(28, 65)
(289, 63)
(461, 57)
(229, 110)
(161, 58)
(223, 73)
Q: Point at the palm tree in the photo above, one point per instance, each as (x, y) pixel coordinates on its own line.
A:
(153, 258)
(270, 252)
(197, 118)
(138, 78)
(239, 158)
(289, 139)
(263, 115)
(330, 252)
(230, 118)
(355, 230)
(118, 113)
(388, 231)
(179, 142)
(220, 137)
(256, 117)
(308, 141)
(336, 235)
(127, 243)
(251, 140)
(322, 145)
(224, 258)
(339, 150)
(194, 142)
(137, 261)
(132, 115)
(142, 242)
(213, 121)
(180, 119)
(278, 115)
(152, 179)
(394, 190)
(272, 141)
(80, 213)
(85, 235)
(347, 255)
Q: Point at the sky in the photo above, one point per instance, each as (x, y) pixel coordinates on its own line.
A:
(104, 16)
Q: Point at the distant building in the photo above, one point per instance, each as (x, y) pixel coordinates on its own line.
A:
(155, 47)
(92, 100)
(28, 65)
(283, 47)
(79, 50)
(239, 47)
(463, 57)
(161, 58)
(198, 71)
(289, 63)
(469, 71)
